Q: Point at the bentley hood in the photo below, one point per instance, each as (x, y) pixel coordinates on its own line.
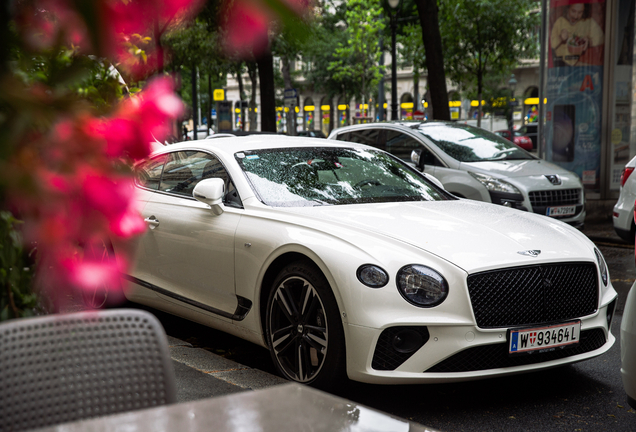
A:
(472, 235)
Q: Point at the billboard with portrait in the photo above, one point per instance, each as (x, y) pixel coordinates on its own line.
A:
(575, 87)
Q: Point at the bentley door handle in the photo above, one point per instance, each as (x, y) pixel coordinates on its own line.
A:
(152, 221)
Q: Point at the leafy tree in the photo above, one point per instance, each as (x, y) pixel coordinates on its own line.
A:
(17, 299)
(485, 38)
(325, 35)
(411, 52)
(289, 48)
(357, 60)
(68, 138)
(194, 49)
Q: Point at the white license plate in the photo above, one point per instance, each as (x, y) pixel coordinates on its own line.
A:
(544, 338)
(561, 211)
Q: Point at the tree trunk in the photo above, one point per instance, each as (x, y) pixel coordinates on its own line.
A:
(427, 10)
(208, 112)
(251, 70)
(4, 36)
(239, 79)
(268, 94)
(480, 86)
(195, 103)
(381, 95)
(416, 88)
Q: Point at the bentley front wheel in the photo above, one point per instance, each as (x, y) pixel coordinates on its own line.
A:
(303, 326)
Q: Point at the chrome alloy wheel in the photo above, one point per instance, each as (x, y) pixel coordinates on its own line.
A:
(298, 329)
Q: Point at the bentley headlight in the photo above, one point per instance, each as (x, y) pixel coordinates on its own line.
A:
(602, 266)
(494, 184)
(421, 285)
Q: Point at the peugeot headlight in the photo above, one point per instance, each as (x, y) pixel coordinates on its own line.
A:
(421, 285)
(602, 266)
(494, 184)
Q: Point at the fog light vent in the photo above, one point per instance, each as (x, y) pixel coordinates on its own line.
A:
(396, 345)
(610, 314)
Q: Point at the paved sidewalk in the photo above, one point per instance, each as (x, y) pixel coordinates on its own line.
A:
(201, 374)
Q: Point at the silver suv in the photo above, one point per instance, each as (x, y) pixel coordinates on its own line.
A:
(477, 164)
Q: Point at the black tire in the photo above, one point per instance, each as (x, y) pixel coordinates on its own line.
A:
(304, 329)
(628, 236)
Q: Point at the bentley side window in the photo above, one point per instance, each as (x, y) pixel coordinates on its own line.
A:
(148, 174)
(185, 169)
(178, 174)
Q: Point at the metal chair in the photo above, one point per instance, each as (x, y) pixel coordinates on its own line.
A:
(65, 367)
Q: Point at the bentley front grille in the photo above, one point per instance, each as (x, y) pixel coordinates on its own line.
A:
(531, 295)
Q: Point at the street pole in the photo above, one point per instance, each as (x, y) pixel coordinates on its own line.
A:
(512, 83)
(394, 103)
(381, 113)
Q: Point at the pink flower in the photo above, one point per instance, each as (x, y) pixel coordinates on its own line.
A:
(93, 274)
(68, 184)
(108, 195)
(246, 28)
(159, 107)
(246, 23)
(129, 224)
(42, 22)
(139, 121)
(147, 18)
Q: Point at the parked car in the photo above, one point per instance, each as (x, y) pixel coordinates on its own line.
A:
(623, 214)
(474, 163)
(531, 130)
(238, 133)
(202, 132)
(312, 133)
(521, 140)
(340, 258)
(628, 347)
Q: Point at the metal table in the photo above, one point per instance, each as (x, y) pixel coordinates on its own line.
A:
(289, 407)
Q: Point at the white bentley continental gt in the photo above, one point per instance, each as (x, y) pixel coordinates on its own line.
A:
(345, 261)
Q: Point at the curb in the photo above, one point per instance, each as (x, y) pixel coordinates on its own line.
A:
(213, 365)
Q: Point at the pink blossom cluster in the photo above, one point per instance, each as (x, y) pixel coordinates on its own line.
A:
(72, 183)
(81, 193)
(108, 28)
(247, 24)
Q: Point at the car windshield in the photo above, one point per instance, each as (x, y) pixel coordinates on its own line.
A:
(294, 177)
(471, 144)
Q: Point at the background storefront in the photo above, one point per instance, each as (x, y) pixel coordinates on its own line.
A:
(588, 93)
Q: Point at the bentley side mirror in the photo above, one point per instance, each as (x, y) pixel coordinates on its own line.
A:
(211, 191)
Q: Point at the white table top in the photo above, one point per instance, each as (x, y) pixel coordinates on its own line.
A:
(289, 407)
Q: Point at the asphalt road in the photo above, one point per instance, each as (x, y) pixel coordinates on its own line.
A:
(587, 396)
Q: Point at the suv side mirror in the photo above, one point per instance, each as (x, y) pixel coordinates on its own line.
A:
(211, 191)
(416, 158)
